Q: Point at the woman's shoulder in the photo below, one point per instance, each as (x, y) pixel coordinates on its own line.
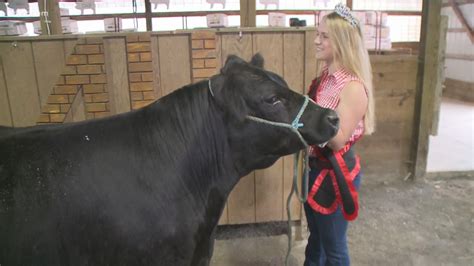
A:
(355, 85)
(348, 75)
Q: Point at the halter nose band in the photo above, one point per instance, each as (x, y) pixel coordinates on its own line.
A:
(294, 126)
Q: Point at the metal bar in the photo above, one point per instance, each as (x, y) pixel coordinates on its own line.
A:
(148, 12)
(194, 14)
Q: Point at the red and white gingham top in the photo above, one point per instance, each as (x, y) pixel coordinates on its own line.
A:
(329, 90)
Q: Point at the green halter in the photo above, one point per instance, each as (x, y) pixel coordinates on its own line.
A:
(294, 126)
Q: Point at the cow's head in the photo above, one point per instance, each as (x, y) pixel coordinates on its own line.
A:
(244, 89)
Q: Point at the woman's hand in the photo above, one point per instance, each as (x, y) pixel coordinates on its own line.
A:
(351, 109)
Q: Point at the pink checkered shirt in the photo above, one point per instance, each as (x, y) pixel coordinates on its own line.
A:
(328, 93)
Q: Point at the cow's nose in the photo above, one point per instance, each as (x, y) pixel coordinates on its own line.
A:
(333, 120)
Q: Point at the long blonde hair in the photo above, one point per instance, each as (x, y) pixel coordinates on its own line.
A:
(350, 53)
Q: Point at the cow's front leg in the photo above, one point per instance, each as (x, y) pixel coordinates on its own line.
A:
(204, 249)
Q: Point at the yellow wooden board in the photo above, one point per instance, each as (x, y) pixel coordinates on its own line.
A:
(224, 219)
(175, 65)
(310, 59)
(241, 202)
(117, 75)
(269, 193)
(295, 207)
(78, 108)
(270, 46)
(294, 60)
(77, 111)
(236, 45)
(156, 67)
(20, 76)
(293, 73)
(49, 64)
(5, 115)
(269, 182)
(69, 47)
(395, 109)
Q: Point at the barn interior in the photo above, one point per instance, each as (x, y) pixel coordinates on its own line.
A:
(89, 59)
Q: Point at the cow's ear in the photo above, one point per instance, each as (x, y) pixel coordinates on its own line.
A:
(257, 60)
(230, 62)
(229, 97)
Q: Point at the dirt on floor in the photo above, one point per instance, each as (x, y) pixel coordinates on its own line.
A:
(429, 221)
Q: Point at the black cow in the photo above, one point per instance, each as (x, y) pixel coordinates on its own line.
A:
(146, 187)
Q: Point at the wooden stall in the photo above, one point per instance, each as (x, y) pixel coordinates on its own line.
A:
(73, 78)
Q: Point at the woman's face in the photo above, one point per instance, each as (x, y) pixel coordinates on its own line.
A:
(323, 44)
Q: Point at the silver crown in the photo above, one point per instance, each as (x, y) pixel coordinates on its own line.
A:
(346, 14)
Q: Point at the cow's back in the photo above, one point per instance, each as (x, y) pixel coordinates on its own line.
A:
(88, 185)
(56, 188)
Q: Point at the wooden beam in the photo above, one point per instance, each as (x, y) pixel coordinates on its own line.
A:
(427, 78)
(458, 89)
(457, 30)
(463, 20)
(248, 13)
(149, 26)
(459, 2)
(402, 13)
(54, 17)
(467, 57)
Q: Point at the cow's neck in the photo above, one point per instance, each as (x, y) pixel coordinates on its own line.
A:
(200, 149)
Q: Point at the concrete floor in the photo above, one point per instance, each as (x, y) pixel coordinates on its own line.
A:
(453, 148)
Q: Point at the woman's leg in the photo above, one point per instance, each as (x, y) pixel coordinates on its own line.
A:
(314, 254)
(333, 229)
(327, 244)
(333, 233)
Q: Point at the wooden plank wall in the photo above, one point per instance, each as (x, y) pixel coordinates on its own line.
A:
(28, 69)
(21, 83)
(5, 109)
(386, 153)
(174, 61)
(117, 74)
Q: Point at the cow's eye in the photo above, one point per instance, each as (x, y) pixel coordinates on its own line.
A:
(273, 100)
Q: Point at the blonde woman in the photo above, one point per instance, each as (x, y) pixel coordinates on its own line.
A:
(345, 85)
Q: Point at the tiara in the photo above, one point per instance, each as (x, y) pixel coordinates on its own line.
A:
(345, 13)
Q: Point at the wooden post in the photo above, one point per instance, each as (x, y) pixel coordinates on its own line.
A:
(429, 60)
(149, 26)
(441, 74)
(248, 13)
(54, 16)
(349, 4)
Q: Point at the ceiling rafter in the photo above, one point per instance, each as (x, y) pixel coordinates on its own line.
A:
(460, 2)
(463, 20)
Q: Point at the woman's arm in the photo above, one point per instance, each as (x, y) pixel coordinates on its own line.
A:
(351, 109)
